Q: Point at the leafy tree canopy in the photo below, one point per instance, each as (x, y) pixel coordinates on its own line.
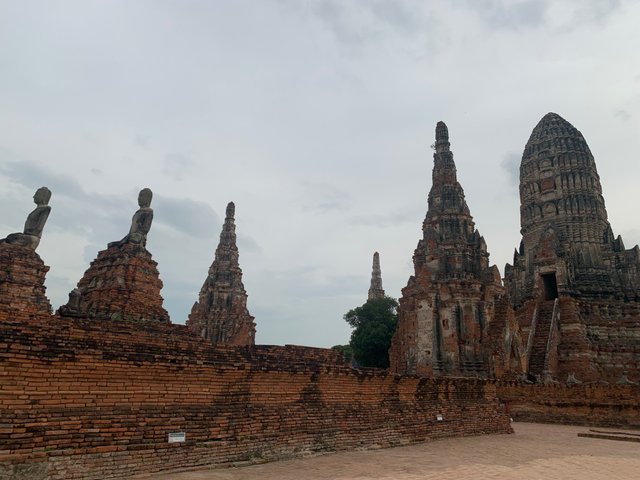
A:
(374, 324)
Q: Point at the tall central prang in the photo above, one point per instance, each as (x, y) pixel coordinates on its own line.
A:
(568, 247)
(573, 284)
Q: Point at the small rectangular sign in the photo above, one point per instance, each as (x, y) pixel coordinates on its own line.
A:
(177, 437)
(439, 417)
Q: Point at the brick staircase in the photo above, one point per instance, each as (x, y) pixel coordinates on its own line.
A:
(540, 338)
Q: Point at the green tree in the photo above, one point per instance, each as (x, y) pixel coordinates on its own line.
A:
(373, 326)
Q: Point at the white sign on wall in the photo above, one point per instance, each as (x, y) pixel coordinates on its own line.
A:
(177, 437)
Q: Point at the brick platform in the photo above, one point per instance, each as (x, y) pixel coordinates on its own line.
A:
(585, 404)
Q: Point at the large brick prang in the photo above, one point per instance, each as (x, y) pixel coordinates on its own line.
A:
(568, 246)
(446, 316)
(573, 284)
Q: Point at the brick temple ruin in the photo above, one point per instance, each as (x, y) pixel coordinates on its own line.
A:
(108, 387)
(574, 287)
(448, 321)
(569, 309)
(221, 313)
(123, 282)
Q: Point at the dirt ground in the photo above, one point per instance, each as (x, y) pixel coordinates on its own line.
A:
(535, 451)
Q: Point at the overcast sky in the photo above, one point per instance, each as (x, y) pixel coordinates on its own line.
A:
(314, 117)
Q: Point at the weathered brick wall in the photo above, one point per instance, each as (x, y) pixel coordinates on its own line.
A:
(598, 340)
(584, 404)
(97, 399)
(613, 332)
(22, 274)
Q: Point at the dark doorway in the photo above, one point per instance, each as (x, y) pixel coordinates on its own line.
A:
(550, 286)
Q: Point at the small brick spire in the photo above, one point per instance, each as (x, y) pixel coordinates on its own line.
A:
(376, 290)
(221, 314)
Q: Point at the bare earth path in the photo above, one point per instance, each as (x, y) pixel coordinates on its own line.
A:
(535, 452)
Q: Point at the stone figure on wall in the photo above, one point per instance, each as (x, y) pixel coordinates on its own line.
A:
(35, 222)
(73, 305)
(140, 223)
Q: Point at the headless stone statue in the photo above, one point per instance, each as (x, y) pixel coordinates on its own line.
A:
(73, 305)
(140, 223)
(34, 225)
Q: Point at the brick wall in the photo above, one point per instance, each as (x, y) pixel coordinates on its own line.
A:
(585, 404)
(612, 330)
(94, 400)
(22, 274)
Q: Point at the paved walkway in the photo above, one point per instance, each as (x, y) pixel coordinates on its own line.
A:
(535, 452)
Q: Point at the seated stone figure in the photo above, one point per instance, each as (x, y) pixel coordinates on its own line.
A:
(140, 223)
(34, 225)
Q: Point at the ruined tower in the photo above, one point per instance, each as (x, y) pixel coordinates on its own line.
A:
(221, 314)
(444, 313)
(123, 282)
(568, 247)
(569, 268)
(376, 290)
